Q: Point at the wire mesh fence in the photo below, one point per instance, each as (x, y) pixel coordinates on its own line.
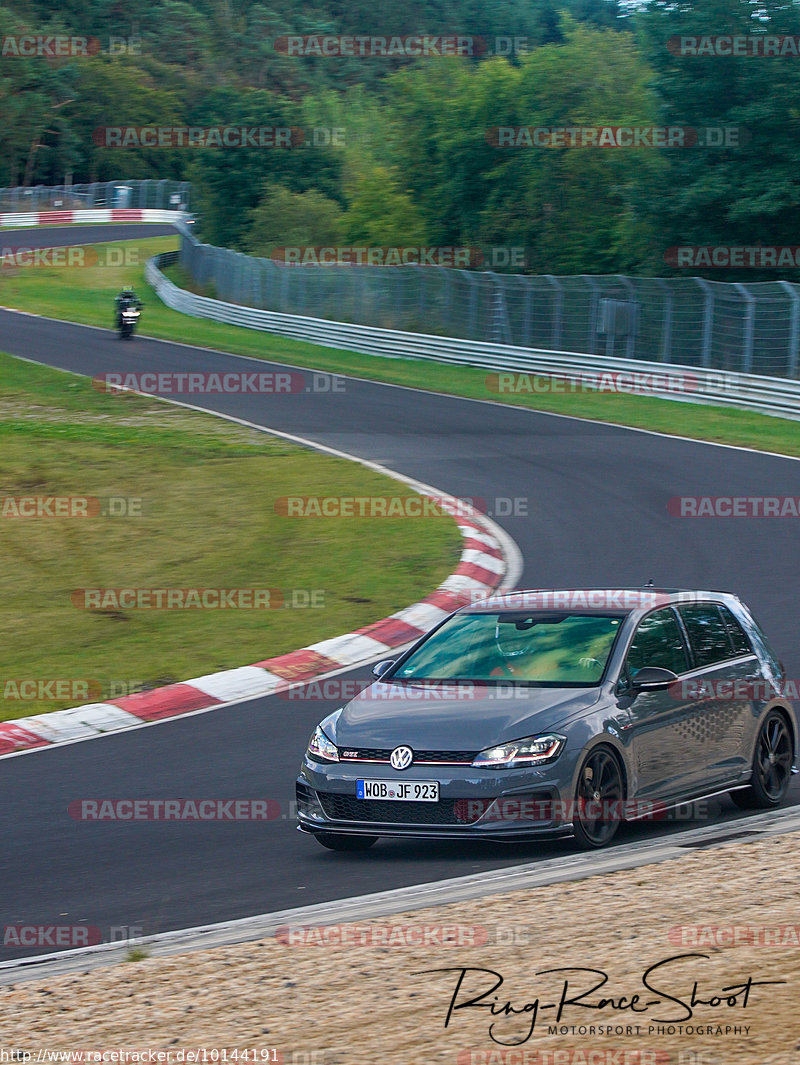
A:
(135, 193)
(770, 395)
(747, 328)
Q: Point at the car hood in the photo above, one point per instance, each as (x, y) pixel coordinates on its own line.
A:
(454, 717)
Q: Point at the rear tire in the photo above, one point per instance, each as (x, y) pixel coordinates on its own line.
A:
(772, 766)
(334, 842)
(600, 788)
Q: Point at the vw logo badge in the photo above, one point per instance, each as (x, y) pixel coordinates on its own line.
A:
(401, 758)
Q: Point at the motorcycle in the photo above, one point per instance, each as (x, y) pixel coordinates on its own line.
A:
(128, 320)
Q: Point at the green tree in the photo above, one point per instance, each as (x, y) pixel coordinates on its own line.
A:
(228, 181)
(299, 218)
(381, 212)
(573, 209)
(114, 92)
(743, 193)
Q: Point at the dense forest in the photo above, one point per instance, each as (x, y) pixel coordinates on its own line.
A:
(404, 150)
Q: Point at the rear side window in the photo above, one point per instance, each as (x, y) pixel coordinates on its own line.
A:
(658, 642)
(739, 641)
(708, 634)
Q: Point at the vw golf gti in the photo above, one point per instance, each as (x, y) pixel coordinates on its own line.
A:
(555, 712)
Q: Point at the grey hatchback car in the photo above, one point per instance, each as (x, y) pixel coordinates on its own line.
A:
(544, 713)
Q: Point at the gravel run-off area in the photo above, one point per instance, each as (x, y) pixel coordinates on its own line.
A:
(359, 994)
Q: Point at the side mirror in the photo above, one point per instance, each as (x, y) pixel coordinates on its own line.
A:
(653, 679)
(380, 667)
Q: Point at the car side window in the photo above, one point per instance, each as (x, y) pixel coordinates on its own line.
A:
(658, 642)
(738, 637)
(708, 633)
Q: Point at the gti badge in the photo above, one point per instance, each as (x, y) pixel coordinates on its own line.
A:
(401, 758)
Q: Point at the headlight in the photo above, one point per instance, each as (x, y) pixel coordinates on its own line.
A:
(533, 750)
(321, 748)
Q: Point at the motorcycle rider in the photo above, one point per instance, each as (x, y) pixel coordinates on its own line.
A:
(127, 298)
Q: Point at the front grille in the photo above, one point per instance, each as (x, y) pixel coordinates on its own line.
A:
(444, 812)
(382, 754)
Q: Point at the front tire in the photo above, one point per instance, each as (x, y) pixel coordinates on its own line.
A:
(772, 766)
(598, 799)
(334, 842)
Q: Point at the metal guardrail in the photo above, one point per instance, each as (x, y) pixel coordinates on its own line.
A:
(770, 395)
(715, 325)
(28, 219)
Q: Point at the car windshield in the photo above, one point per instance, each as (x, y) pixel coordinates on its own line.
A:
(562, 649)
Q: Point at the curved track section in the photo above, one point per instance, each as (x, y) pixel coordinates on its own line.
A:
(66, 236)
(588, 506)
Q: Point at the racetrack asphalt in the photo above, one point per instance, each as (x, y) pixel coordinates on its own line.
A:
(66, 236)
(589, 507)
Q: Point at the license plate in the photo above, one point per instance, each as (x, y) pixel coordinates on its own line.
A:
(407, 791)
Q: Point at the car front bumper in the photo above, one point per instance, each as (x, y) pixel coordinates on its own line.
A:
(473, 803)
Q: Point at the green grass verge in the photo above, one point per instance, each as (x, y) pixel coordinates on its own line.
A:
(207, 490)
(85, 296)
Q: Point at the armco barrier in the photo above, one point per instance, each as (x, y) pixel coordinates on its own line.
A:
(94, 214)
(770, 395)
